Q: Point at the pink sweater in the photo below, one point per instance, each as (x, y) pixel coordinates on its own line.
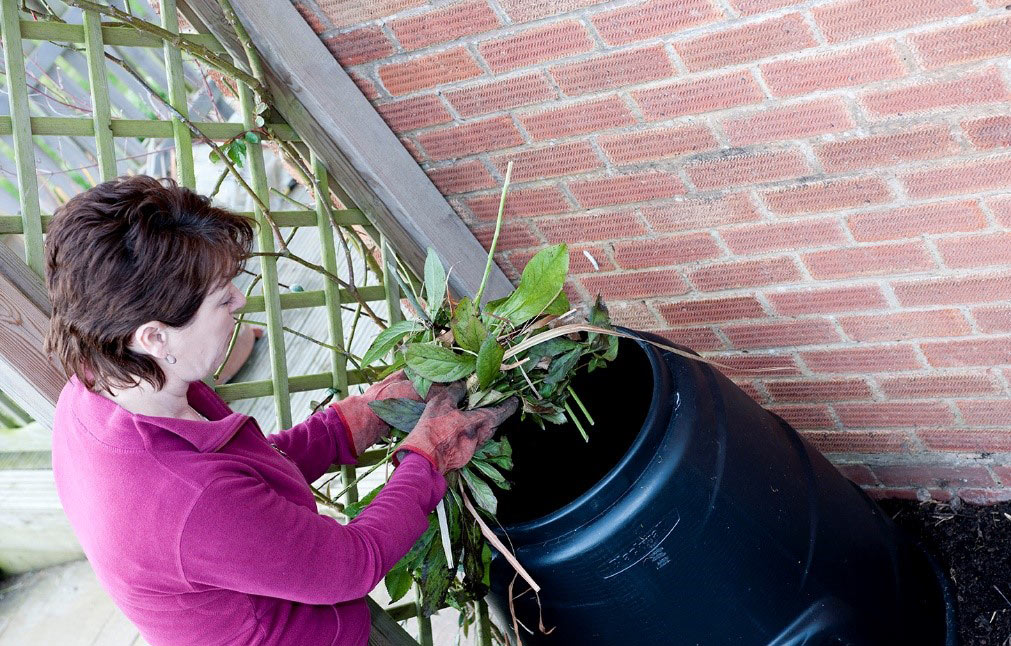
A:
(203, 533)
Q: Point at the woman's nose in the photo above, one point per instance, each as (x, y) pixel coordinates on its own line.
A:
(240, 298)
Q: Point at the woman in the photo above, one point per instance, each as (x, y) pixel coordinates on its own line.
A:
(202, 530)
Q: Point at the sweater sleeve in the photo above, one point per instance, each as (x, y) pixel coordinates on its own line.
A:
(240, 535)
(315, 444)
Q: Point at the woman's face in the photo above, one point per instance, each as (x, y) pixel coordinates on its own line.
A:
(199, 347)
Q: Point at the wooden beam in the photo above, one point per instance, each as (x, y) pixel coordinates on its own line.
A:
(26, 373)
(320, 101)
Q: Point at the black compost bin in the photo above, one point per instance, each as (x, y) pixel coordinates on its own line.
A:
(696, 517)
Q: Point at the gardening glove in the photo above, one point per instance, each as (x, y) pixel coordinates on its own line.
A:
(363, 426)
(448, 436)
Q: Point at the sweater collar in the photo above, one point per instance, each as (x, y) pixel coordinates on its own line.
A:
(206, 436)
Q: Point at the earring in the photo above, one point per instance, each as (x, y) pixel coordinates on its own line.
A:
(170, 359)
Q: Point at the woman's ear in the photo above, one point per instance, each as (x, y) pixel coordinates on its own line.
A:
(150, 338)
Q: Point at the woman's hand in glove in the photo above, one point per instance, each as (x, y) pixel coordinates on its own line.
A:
(448, 436)
(365, 427)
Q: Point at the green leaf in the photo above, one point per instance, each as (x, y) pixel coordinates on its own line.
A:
(435, 283)
(400, 413)
(550, 348)
(468, 331)
(480, 491)
(214, 157)
(492, 473)
(540, 285)
(435, 580)
(421, 385)
(562, 366)
(484, 398)
(473, 561)
(388, 338)
(398, 583)
(489, 362)
(258, 120)
(438, 364)
(252, 137)
(352, 510)
(559, 306)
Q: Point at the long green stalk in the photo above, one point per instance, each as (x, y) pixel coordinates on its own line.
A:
(494, 239)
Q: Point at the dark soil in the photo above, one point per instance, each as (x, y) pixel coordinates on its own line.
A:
(973, 546)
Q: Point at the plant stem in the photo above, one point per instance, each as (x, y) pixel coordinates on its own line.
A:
(575, 420)
(579, 402)
(494, 239)
(355, 482)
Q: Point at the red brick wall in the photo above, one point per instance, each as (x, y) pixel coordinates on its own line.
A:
(819, 186)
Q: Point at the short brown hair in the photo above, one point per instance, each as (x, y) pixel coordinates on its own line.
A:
(128, 251)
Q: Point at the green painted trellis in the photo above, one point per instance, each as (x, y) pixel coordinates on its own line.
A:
(32, 223)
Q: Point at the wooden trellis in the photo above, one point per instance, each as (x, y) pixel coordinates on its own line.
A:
(105, 129)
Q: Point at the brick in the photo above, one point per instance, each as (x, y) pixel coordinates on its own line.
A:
(905, 325)
(805, 416)
(316, 20)
(971, 177)
(701, 212)
(825, 300)
(863, 359)
(625, 189)
(743, 44)
(780, 236)
(914, 221)
(854, 18)
(550, 161)
(536, 45)
(804, 390)
(752, 7)
(600, 226)
(616, 69)
(980, 250)
(700, 339)
(460, 178)
(970, 352)
(445, 24)
(937, 385)
(929, 142)
(470, 138)
(657, 143)
(969, 42)
(365, 85)
(993, 319)
(1001, 207)
(984, 496)
(892, 493)
(634, 315)
(828, 196)
(747, 273)
(653, 19)
(413, 113)
(754, 364)
(751, 167)
(696, 96)
(858, 474)
(860, 441)
(750, 390)
(799, 121)
(525, 11)
(712, 310)
(1003, 472)
(966, 440)
(578, 261)
(671, 250)
(933, 475)
(412, 148)
(359, 46)
(867, 261)
(637, 284)
(429, 71)
(520, 203)
(893, 414)
(806, 74)
(954, 291)
(342, 13)
(986, 412)
(501, 94)
(984, 87)
(514, 235)
(989, 132)
(589, 116)
(744, 336)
